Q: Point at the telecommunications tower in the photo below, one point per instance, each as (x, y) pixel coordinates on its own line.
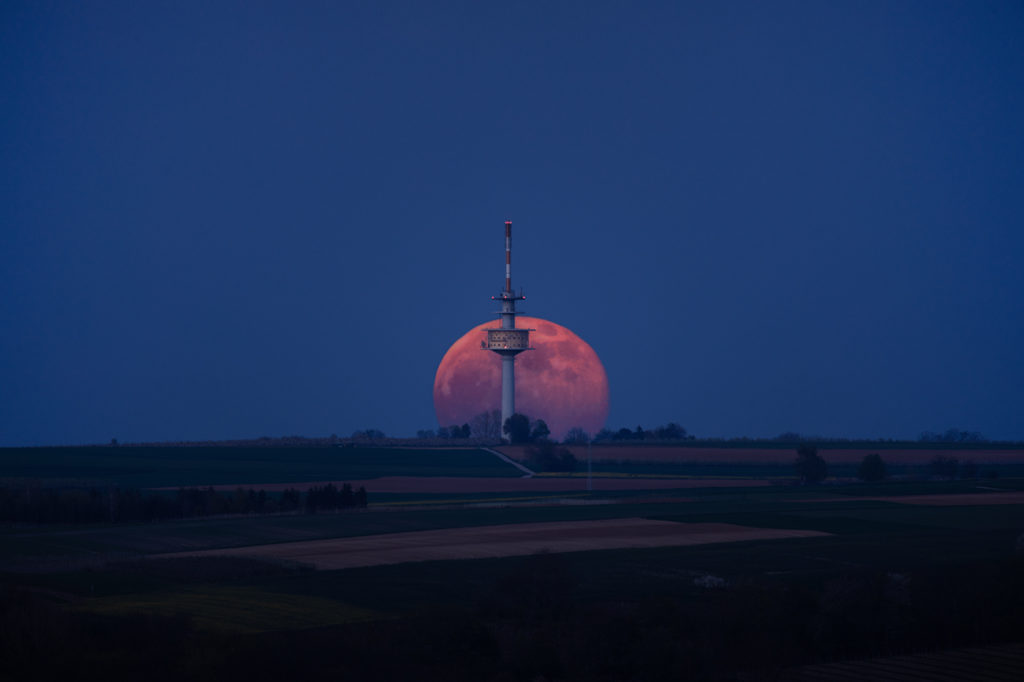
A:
(507, 341)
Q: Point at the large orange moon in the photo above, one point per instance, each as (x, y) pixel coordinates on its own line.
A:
(562, 382)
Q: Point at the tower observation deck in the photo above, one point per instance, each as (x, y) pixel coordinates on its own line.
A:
(507, 341)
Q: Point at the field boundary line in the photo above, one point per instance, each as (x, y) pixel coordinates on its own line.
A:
(505, 458)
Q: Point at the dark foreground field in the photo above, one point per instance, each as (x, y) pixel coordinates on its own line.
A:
(150, 467)
(881, 579)
(772, 460)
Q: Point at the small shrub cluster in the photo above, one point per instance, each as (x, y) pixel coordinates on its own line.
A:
(872, 468)
(810, 466)
(951, 467)
(548, 456)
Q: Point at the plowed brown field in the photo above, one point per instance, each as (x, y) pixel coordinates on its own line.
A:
(526, 486)
(501, 541)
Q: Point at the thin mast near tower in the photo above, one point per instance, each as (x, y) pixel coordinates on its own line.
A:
(507, 341)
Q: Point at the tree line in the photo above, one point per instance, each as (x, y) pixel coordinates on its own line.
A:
(521, 428)
(952, 436)
(33, 504)
(670, 431)
(488, 426)
(812, 468)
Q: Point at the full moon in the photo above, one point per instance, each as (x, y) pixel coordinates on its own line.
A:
(562, 382)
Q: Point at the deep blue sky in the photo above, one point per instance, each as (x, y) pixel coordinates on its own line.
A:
(236, 219)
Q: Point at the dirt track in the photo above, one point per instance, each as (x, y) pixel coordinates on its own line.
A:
(501, 541)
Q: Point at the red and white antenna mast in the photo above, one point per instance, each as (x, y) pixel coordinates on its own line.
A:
(507, 341)
(508, 256)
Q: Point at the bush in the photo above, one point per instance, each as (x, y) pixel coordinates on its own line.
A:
(944, 466)
(809, 465)
(547, 456)
(517, 428)
(872, 468)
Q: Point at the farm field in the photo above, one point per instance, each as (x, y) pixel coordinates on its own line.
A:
(484, 585)
(522, 485)
(49, 547)
(289, 608)
(952, 500)
(440, 470)
(501, 541)
(775, 462)
(29, 547)
(1000, 663)
(231, 609)
(154, 467)
(782, 456)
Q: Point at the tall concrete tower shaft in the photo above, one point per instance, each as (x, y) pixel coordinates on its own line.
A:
(507, 341)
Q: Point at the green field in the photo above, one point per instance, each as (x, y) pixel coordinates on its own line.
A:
(151, 467)
(72, 545)
(867, 534)
(158, 467)
(775, 507)
(232, 608)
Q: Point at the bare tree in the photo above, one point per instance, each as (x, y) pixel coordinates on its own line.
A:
(487, 425)
(577, 435)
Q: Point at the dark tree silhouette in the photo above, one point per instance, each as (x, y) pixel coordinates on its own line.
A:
(670, 431)
(290, 499)
(517, 428)
(540, 431)
(872, 468)
(547, 456)
(944, 466)
(456, 431)
(810, 467)
(624, 434)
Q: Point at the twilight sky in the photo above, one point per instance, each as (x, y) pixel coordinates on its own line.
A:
(237, 219)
